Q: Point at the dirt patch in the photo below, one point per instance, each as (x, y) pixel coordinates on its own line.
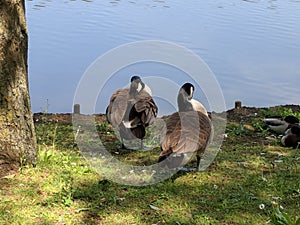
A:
(7, 169)
(63, 118)
(241, 115)
(247, 114)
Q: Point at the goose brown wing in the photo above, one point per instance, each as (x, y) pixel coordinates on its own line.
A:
(145, 107)
(187, 132)
(117, 107)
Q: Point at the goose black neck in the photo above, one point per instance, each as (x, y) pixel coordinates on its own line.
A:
(134, 87)
(183, 103)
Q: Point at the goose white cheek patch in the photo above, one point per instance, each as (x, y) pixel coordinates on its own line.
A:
(139, 87)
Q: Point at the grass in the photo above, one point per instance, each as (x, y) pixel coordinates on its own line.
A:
(253, 180)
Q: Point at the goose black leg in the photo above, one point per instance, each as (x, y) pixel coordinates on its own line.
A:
(198, 162)
(122, 144)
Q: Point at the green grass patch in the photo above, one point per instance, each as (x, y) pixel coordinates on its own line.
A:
(253, 180)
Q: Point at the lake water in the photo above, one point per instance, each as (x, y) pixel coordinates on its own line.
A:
(252, 47)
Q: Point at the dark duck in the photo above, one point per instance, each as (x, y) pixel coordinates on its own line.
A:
(291, 137)
(281, 124)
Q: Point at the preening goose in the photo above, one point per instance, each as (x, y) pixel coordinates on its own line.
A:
(291, 137)
(187, 131)
(280, 125)
(131, 110)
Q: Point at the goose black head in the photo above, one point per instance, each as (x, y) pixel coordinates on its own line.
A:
(188, 90)
(184, 96)
(136, 85)
(135, 78)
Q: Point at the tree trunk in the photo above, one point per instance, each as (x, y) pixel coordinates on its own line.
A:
(17, 134)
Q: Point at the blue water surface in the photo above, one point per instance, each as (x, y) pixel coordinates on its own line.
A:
(252, 47)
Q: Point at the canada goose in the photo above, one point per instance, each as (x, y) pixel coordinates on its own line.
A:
(187, 131)
(280, 125)
(291, 137)
(131, 110)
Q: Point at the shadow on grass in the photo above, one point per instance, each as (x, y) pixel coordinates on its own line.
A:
(209, 197)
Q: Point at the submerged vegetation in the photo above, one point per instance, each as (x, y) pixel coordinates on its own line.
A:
(253, 180)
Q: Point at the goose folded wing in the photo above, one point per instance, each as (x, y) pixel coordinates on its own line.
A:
(146, 107)
(117, 107)
(187, 132)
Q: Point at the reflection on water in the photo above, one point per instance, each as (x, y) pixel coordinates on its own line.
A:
(251, 46)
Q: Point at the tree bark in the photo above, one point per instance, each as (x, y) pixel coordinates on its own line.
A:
(17, 134)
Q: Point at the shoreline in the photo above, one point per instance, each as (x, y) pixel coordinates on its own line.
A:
(293, 107)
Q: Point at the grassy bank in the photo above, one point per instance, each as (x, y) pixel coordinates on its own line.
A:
(251, 178)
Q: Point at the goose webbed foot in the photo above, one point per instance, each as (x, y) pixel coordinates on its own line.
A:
(145, 148)
(186, 170)
(122, 146)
